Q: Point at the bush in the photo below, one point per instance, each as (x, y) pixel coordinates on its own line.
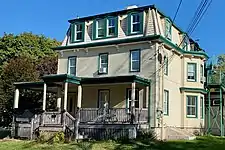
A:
(146, 135)
(50, 137)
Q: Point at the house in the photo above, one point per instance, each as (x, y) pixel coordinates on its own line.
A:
(128, 69)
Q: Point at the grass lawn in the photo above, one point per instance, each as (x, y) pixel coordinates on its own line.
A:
(204, 143)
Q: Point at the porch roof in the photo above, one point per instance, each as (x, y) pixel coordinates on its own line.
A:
(53, 81)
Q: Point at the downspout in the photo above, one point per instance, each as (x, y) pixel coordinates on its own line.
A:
(149, 104)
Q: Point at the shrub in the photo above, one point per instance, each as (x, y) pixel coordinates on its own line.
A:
(146, 135)
(50, 137)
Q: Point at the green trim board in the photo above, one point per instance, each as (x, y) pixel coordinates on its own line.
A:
(194, 90)
(135, 39)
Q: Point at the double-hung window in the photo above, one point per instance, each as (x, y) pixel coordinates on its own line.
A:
(72, 65)
(168, 29)
(135, 60)
(77, 32)
(185, 42)
(111, 26)
(202, 107)
(191, 72)
(166, 103)
(192, 106)
(135, 23)
(100, 28)
(103, 63)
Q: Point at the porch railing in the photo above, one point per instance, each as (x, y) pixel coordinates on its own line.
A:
(52, 118)
(112, 115)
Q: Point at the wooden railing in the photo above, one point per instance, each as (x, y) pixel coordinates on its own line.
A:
(52, 118)
(112, 115)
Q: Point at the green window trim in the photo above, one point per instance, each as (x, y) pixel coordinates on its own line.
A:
(167, 102)
(168, 29)
(196, 106)
(129, 23)
(195, 72)
(106, 28)
(99, 63)
(139, 61)
(166, 66)
(202, 107)
(69, 65)
(73, 33)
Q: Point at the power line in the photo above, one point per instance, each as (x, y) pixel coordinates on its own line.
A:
(177, 10)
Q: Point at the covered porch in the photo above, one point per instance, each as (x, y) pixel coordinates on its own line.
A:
(91, 101)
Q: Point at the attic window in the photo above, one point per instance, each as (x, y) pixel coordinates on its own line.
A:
(168, 29)
(77, 32)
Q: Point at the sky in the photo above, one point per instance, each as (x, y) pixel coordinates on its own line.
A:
(50, 17)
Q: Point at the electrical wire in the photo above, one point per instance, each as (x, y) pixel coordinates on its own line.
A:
(178, 8)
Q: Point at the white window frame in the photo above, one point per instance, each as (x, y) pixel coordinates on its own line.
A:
(132, 60)
(76, 32)
(166, 102)
(100, 61)
(202, 73)
(72, 66)
(97, 28)
(194, 72)
(108, 26)
(192, 106)
(133, 23)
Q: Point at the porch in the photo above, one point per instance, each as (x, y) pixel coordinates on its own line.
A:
(84, 103)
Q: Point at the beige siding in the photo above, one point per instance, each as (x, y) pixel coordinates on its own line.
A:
(87, 62)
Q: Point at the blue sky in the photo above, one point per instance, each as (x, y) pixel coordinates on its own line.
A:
(49, 17)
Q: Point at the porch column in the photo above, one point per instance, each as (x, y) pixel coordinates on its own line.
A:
(133, 102)
(65, 95)
(59, 98)
(44, 97)
(16, 98)
(79, 98)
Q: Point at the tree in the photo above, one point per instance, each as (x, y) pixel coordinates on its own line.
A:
(24, 57)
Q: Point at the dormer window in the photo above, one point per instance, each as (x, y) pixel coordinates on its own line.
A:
(100, 24)
(185, 42)
(105, 28)
(135, 23)
(77, 32)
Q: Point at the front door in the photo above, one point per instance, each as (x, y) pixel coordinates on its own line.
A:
(103, 99)
(72, 101)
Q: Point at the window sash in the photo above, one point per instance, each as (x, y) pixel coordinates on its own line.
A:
(137, 23)
(166, 103)
(103, 61)
(78, 31)
(191, 72)
(191, 106)
(100, 29)
(111, 27)
(72, 65)
(201, 107)
(135, 62)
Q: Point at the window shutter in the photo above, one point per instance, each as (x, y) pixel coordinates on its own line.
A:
(72, 35)
(94, 30)
(116, 26)
(141, 21)
(129, 24)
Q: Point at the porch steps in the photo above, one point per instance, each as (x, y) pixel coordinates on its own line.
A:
(174, 133)
(51, 128)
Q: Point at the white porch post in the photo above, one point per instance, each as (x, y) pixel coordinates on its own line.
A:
(133, 102)
(59, 98)
(16, 98)
(65, 95)
(79, 98)
(44, 97)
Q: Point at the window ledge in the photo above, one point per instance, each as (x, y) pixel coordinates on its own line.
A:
(191, 116)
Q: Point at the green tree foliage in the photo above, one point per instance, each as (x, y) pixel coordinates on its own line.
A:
(24, 57)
